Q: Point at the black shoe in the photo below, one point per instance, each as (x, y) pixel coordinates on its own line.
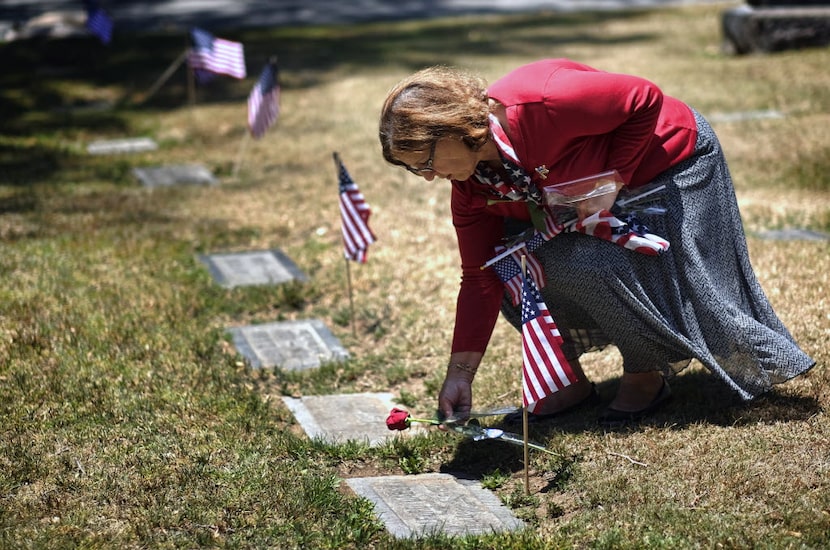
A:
(614, 418)
(516, 417)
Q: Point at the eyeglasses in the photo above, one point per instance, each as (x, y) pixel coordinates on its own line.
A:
(427, 167)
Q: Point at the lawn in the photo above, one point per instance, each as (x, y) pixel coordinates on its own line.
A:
(130, 421)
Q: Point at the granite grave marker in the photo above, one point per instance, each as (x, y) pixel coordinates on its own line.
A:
(792, 235)
(289, 345)
(166, 176)
(425, 504)
(252, 268)
(117, 146)
(347, 417)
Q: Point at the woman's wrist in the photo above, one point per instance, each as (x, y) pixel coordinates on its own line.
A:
(461, 368)
(466, 367)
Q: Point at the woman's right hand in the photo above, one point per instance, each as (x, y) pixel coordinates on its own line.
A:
(455, 399)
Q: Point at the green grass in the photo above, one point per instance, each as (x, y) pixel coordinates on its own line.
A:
(129, 420)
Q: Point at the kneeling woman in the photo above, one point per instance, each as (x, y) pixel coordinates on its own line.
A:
(555, 121)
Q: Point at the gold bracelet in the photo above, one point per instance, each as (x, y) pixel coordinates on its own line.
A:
(466, 367)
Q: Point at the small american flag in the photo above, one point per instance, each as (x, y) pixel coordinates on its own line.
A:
(509, 270)
(98, 22)
(354, 214)
(215, 55)
(264, 101)
(544, 367)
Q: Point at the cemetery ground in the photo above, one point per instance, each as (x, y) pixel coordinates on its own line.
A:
(128, 418)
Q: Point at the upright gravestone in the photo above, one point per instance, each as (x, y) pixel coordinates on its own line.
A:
(428, 504)
(176, 174)
(267, 267)
(775, 25)
(289, 345)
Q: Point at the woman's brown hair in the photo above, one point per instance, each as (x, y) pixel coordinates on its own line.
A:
(434, 103)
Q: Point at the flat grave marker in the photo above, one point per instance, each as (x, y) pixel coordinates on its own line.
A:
(289, 345)
(741, 116)
(347, 417)
(792, 235)
(426, 504)
(264, 267)
(174, 174)
(117, 146)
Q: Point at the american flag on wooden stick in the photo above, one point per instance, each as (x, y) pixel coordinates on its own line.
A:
(544, 367)
(509, 270)
(354, 213)
(210, 55)
(264, 101)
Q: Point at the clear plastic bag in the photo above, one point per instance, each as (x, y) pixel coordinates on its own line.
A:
(585, 195)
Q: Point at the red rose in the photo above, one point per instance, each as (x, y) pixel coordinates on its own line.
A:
(398, 419)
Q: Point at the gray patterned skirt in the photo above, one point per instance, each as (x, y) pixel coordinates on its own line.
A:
(699, 300)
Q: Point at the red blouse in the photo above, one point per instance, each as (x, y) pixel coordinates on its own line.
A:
(574, 121)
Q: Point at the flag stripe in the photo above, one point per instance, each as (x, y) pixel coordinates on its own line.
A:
(500, 136)
(356, 232)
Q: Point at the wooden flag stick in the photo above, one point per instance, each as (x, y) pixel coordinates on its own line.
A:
(191, 86)
(351, 299)
(242, 146)
(165, 76)
(524, 408)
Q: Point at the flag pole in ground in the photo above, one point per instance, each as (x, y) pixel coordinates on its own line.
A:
(351, 299)
(524, 408)
(191, 85)
(164, 77)
(242, 146)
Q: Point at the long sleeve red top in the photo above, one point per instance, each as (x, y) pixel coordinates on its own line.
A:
(575, 121)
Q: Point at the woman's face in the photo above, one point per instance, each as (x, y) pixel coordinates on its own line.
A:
(450, 159)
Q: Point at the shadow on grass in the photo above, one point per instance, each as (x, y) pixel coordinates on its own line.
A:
(47, 85)
(698, 397)
(475, 459)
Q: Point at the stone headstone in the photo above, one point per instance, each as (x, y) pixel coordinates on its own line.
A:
(346, 417)
(775, 26)
(117, 146)
(289, 345)
(267, 267)
(426, 504)
(166, 176)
